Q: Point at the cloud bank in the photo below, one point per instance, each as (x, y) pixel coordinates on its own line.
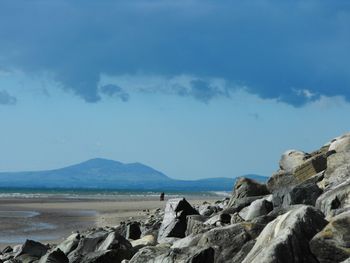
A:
(275, 49)
(6, 98)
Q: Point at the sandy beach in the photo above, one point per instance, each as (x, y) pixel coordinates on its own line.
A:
(50, 220)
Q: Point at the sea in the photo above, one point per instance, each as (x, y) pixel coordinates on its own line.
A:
(104, 194)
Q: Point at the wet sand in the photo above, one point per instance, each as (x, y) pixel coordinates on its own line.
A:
(50, 221)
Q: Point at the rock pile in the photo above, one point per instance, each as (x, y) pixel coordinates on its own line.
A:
(301, 215)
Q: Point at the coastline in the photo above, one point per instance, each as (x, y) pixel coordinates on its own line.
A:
(51, 220)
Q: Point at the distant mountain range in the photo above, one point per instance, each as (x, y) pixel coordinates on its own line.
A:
(108, 174)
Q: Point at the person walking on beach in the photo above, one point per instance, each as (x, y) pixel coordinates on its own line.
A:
(162, 196)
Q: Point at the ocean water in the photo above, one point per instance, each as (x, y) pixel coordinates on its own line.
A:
(100, 194)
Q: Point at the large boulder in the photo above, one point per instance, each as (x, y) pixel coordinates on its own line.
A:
(305, 192)
(286, 239)
(54, 256)
(69, 244)
(106, 256)
(32, 248)
(101, 244)
(149, 254)
(335, 200)
(257, 208)
(244, 189)
(332, 244)
(174, 222)
(195, 224)
(338, 161)
(291, 159)
(296, 167)
(227, 240)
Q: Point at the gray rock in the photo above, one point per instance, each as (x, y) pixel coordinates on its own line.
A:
(332, 244)
(281, 180)
(195, 224)
(32, 248)
(257, 208)
(204, 255)
(245, 187)
(286, 238)
(189, 241)
(174, 222)
(239, 204)
(236, 218)
(115, 241)
(335, 200)
(240, 255)
(149, 254)
(98, 242)
(7, 249)
(87, 244)
(291, 159)
(208, 210)
(305, 193)
(107, 256)
(54, 256)
(69, 244)
(228, 240)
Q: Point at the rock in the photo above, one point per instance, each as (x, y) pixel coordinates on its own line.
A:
(281, 180)
(115, 241)
(335, 200)
(240, 255)
(305, 193)
(99, 243)
(174, 222)
(236, 218)
(69, 244)
(32, 248)
(88, 243)
(291, 159)
(208, 210)
(149, 254)
(311, 167)
(219, 219)
(133, 231)
(286, 238)
(148, 240)
(106, 256)
(189, 241)
(195, 224)
(205, 255)
(7, 249)
(332, 244)
(54, 256)
(246, 187)
(239, 204)
(255, 209)
(228, 240)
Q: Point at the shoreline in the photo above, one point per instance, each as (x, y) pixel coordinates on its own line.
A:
(56, 218)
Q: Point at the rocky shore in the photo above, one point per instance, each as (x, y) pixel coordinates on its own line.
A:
(302, 214)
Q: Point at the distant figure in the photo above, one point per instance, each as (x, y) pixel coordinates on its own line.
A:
(162, 196)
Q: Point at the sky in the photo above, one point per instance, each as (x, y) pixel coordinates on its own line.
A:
(193, 88)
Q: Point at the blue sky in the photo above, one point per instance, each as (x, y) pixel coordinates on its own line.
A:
(192, 88)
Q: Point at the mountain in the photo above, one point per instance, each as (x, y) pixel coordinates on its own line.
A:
(108, 174)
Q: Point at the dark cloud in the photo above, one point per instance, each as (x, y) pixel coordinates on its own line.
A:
(115, 91)
(272, 48)
(6, 98)
(201, 90)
